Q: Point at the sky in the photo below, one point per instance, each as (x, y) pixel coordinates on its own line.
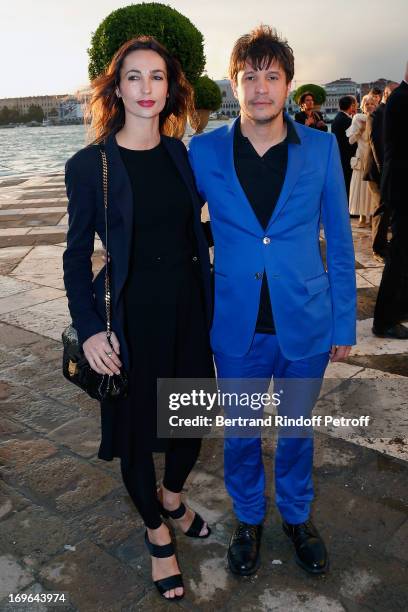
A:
(43, 44)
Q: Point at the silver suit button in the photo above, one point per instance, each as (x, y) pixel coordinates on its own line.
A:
(266, 240)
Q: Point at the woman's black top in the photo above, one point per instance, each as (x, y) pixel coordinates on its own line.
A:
(165, 324)
(162, 214)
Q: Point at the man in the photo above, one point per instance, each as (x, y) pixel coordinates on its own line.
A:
(341, 122)
(269, 183)
(392, 301)
(372, 173)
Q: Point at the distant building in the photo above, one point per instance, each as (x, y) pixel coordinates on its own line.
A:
(230, 105)
(73, 108)
(70, 110)
(49, 104)
(380, 83)
(336, 90)
(290, 106)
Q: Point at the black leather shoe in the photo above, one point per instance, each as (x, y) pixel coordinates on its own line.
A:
(311, 553)
(243, 550)
(398, 331)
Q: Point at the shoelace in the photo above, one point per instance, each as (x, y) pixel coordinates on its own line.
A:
(244, 529)
(304, 529)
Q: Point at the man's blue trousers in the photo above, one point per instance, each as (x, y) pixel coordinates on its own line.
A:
(243, 465)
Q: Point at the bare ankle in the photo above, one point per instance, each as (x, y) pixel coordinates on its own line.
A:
(159, 536)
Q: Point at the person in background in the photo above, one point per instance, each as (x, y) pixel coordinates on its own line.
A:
(341, 122)
(160, 285)
(376, 93)
(308, 115)
(392, 301)
(372, 173)
(361, 201)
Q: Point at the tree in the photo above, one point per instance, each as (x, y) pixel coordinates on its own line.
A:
(318, 92)
(207, 94)
(9, 115)
(35, 113)
(168, 26)
(4, 115)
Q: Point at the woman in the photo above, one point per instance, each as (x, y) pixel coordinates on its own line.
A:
(361, 199)
(307, 115)
(160, 279)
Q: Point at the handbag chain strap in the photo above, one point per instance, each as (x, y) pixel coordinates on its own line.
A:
(107, 267)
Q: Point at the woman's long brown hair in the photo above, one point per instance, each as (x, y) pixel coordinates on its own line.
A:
(106, 110)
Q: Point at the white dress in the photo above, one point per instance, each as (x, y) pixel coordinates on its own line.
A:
(361, 200)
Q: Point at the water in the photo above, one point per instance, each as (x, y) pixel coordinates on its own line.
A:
(26, 151)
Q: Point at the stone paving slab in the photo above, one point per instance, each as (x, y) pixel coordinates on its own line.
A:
(31, 219)
(28, 298)
(20, 536)
(91, 576)
(60, 203)
(12, 182)
(44, 195)
(11, 257)
(14, 238)
(13, 576)
(368, 344)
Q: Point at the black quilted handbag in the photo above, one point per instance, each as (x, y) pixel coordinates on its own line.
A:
(75, 366)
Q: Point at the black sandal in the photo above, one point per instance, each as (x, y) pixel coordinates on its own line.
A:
(171, 582)
(196, 526)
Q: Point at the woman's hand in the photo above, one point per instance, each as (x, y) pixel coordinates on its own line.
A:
(310, 120)
(101, 356)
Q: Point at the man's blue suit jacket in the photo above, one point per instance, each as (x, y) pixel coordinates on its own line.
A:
(312, 309)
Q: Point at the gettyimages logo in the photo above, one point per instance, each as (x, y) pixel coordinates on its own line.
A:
(207, 400)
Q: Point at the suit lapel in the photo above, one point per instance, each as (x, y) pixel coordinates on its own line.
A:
(296, 160)
(225, 153)
(120, 195)
(120, 189)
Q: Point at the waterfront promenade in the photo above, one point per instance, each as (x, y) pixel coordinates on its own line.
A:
(66, 522)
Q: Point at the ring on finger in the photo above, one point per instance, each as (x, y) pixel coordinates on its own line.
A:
(109, 354)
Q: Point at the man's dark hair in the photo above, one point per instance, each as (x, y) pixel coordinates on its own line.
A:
(260, 47)
(345, 102)
(375, 91)
(304, 95)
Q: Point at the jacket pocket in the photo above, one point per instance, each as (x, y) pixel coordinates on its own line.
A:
(317, 284)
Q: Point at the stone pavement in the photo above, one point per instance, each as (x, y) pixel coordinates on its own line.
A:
(66, 522)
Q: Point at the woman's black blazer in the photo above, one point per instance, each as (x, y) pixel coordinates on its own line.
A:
(83, 179)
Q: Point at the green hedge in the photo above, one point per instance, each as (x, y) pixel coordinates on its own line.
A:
(207, 94)
(168, 26)
(318, 92)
